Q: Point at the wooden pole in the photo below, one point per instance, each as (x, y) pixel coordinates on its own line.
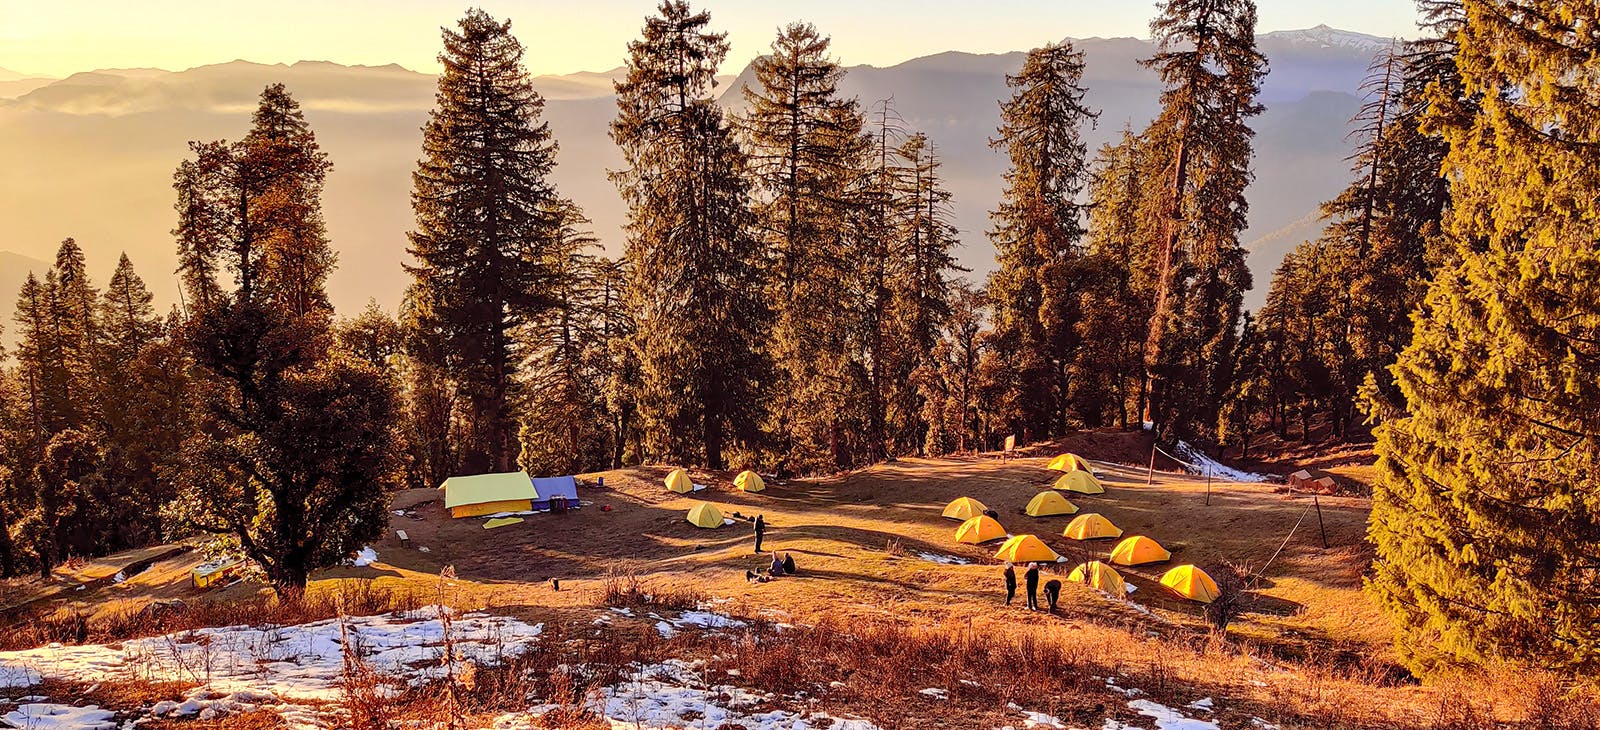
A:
(1320, 528)
(1149, 476)
(1208, 485)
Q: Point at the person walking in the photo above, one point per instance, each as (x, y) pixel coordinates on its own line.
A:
(1011, 583)
(761, 531)
(1032, 577)
(1052, 592)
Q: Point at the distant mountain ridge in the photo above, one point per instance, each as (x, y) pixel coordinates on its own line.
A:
(91, 155)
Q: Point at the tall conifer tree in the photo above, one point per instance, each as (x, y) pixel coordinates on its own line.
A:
(484, 239)
(694, 260)
(1211, 72)
(1485, 508)
(1036, 233)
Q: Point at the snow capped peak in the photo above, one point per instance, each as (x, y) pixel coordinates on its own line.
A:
(1323, 36)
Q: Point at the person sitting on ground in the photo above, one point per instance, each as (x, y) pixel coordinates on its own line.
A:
(1052, 592)
(788, 564)
(751, 576)
(776, 570)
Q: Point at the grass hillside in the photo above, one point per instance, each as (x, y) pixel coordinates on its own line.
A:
(890, 622)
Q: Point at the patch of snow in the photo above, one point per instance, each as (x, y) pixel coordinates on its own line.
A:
(671, 693)
(1263, 724)
(698, 487)
(943, 559)
(59, 717)
(935, 693)
(1169, 719)
(365, 557)
(1201, 464)
(727, 521)
(1040, 719)
(1200, 704)
(119, 577)
(708, 620)
(291, 669)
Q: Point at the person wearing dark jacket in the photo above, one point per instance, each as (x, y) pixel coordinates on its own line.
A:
(788, 565)
(776, 570)
(1052, 592)
(1032, 578)
(1011, 583)
(761, 531)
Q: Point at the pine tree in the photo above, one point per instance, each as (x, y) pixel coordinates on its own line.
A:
(921, 290)
(296, 447)
(1484, 511)
(948, 381)
(143, 381)
(1210, 68)
(484, 235)
(804, 143)
(1117, 286)
(1036, 233)
(694, 263)
(564, 430)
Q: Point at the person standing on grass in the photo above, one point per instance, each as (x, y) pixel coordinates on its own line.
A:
(1052, 592)
(1011, 583)
(761, 531)
(1032, 577)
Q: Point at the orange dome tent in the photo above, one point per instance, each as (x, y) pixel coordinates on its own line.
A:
(678, 481)
(1138, 550)
(964, 508)
(1069, 462)
(1026, 549)
(1191, 583)
(1050, 502)
(749, 481)
(1079, 481)
(979, 529)
(1099, 576)
(705, 514)
(1091, 526)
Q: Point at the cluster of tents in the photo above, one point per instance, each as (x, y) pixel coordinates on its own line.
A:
(706, 514)
(978, 526)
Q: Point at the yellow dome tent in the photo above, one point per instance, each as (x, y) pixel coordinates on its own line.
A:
(1099, 576)
(979, 529)
(705, 514)
(1079, 481)
(749, 481)
(1048, 503)
(678, 481)
(964, 508)
(1191, 583)
(1026, 549)
(1138, 550)
(1069, 462)
(1091, 526)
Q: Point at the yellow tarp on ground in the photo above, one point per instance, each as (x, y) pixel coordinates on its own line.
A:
(1191, 583)
(1048, 503)
(1069, 462)
(501, 522)
(678, 481)
(1079, 481)
(705, 514)
(1026, 549)
(1138, 550)
(486, 494)
(964, 508)
(1100, 576)
(749, 481)
(1091, 526)
(979, 529)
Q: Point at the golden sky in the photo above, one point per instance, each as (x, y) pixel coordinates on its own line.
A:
(60, 37)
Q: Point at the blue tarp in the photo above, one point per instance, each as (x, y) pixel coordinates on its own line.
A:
(547, 487)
